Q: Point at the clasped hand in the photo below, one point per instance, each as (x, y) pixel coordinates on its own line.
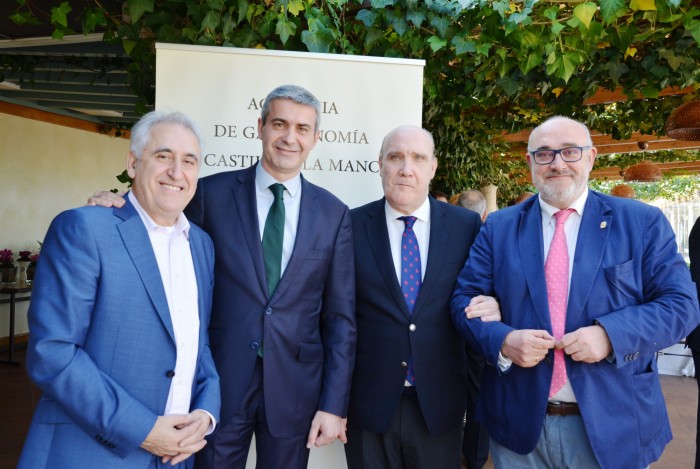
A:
(176, 437)
(527, 347)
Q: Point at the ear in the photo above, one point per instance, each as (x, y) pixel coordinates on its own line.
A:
(594, 155)
(260, 127)
(131, 165)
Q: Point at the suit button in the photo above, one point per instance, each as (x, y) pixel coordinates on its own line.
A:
(268, 311)
(412, 327)
(404, 364)
(169, 374)
(254, 345)
(635, 356)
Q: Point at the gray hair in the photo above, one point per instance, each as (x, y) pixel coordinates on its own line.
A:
(294, 93)
(141, 131)
(552, 120)
(473, 200)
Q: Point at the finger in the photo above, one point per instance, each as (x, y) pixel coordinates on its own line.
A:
(180, 458)
(193, 448)
(313, 435)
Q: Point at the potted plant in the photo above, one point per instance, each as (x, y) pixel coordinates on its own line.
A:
(31, 268)
(8, 271)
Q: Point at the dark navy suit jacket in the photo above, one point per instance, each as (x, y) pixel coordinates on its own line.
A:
(307, 326)
(627, 276)
(384, 340)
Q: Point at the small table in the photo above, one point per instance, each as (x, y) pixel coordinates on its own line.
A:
(13, 290)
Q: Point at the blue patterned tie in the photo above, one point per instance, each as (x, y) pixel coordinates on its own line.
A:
(410, 275)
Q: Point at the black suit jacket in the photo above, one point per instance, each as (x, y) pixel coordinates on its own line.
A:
(384, 340)
(693, 339)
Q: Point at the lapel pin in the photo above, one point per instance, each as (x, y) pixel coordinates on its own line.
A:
(603, 225)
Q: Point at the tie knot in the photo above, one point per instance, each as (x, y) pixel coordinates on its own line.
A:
(409, 221)
(562, 215)
(277, 190)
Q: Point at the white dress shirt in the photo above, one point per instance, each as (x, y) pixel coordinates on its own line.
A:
(171, 247)
(571, 228)
(292, 203)
(421, 228)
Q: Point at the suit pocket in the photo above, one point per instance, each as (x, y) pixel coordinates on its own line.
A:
(310, 353)
(621, 278)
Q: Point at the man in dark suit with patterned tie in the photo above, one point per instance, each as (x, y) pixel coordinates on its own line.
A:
(408, 392)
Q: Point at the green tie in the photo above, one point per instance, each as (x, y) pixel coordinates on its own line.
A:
(272, 238)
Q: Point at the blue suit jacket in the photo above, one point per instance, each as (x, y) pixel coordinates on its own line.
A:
(628, 277)
(308, 325)
(384, 340)
(102, 346)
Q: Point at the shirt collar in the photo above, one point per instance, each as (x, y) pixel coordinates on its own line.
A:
(422, 213)
(181, 223)
(264, 180)
(548, 211)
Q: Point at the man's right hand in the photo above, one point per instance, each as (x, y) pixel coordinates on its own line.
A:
(107, 199)
(527, 347)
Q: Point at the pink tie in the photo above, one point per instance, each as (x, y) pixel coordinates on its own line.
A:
(556, 272)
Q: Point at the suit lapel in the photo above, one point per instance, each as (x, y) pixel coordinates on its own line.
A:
(439, 234)
(590, 247)
(138, 245)
(530, 247)
(203, 280)
(378, 240)
(244, 196)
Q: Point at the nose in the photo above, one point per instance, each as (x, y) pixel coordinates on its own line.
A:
(558, 162)
(175, 168)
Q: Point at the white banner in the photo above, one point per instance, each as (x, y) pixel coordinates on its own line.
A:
(362, 98)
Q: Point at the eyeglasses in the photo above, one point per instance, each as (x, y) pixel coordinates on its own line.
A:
(568, 154)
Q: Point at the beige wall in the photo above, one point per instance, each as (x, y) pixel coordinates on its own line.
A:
(45, 169)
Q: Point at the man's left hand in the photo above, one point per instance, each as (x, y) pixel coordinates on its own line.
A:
(484, 307)
(588, 344)
(197, 428)
(325, 429)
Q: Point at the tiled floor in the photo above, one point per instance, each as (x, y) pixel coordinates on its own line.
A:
(18, 398)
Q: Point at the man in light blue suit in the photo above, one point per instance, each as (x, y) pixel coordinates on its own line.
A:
(626, 294)
(118, 319)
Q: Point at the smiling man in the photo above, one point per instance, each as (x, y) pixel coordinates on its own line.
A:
(283, 322)
(590, 287)
(118, 319)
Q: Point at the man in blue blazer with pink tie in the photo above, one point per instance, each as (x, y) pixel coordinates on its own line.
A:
(118, 319)
(590, 287)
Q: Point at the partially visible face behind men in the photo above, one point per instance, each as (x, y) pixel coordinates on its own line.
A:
(561, 183)
(165, 176)
(288, 136)
(407, 164)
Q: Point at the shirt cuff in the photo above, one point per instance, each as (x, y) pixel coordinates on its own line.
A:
(504, 363)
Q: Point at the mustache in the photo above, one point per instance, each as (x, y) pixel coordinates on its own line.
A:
(555, 172)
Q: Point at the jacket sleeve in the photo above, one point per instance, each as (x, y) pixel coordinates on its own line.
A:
(60, 315)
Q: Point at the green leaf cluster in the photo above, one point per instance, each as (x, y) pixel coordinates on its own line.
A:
(491, 66)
